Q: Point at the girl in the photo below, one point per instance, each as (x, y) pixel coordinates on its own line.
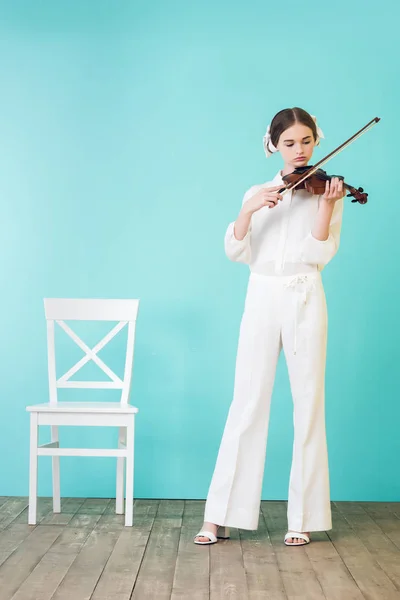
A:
(286, 241)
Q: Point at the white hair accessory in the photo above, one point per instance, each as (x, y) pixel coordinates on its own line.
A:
(270, 149)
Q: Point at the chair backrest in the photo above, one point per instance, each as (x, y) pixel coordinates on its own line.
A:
(59, 310)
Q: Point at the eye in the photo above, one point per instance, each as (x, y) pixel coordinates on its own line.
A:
(290, 145)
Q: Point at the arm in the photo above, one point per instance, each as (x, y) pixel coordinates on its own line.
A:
(322, 243)
(238, 234)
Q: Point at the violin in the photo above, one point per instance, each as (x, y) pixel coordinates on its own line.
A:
(316, 178)
(317, 182)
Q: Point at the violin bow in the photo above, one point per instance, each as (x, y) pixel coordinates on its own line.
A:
(332, 154)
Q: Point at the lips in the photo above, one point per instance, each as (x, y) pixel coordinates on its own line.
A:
(301, 158)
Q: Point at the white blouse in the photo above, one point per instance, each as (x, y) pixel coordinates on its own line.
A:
(279, 240)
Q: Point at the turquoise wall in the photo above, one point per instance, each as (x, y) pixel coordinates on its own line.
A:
(129, 132)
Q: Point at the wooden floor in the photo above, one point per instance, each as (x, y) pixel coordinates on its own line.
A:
(86, 553)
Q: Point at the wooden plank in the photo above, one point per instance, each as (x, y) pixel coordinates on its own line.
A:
(142, 508)
(16, 533)
(119, 576)
(227, 573)
(264, 581)
(99, 558)
(44, 507)
(19, 565)
(392, 508)
(69, 507)
(369, 576)
(156, 575)
(89, 513)
(94, 506)
(380, 547)
(84, 573)
(10, 510)
(387, 516)
(297, 573)
(192, 571)
(11, 538)
(46, 577)
(331, 571)
(170, 509)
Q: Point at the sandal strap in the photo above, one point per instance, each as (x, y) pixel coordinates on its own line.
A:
(296, 534)
(207, 534)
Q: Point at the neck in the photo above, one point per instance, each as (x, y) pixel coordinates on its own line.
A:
(287, 168)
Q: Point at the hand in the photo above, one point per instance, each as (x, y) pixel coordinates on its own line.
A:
(264, 197)
(334, 190)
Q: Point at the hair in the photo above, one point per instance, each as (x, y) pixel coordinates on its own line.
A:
(287, 118)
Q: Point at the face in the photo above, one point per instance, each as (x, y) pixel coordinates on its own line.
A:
(296, 145)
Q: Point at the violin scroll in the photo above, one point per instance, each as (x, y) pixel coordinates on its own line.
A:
(358, 194)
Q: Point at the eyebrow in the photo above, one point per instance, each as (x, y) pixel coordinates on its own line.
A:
(305, 138)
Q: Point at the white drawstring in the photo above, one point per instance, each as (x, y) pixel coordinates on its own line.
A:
(308, 286)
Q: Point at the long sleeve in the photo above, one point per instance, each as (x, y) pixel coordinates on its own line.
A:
(321, 252)
(239, 250)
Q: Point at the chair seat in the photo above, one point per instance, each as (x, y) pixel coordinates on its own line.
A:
(84, 407)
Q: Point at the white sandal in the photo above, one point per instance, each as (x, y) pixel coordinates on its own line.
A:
(222, 534)
(296, 534)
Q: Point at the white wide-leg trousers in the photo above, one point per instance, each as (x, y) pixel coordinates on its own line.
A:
(288, 312)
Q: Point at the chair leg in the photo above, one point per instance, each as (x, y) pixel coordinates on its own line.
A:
(33, 468)
(129, 472)
(119, 503)
(56, 472)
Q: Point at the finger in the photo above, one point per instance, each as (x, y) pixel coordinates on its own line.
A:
(272, 197)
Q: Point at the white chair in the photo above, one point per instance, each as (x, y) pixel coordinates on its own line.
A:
(54, 413)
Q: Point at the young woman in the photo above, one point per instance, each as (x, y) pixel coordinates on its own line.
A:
(286, 241)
